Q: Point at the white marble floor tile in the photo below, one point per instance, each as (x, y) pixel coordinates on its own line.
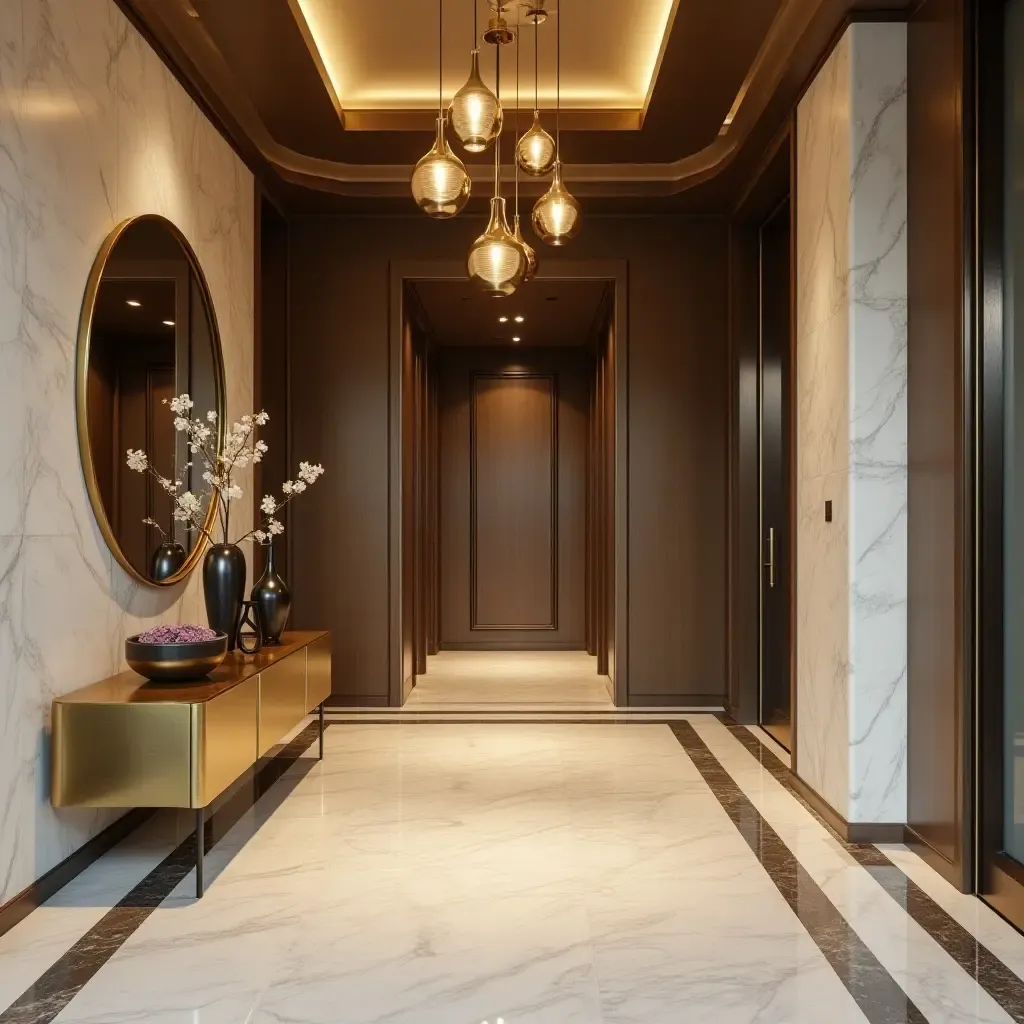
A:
(936, 984)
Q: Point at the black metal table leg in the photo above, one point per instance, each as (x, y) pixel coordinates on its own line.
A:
(321, 730)
(200, 849)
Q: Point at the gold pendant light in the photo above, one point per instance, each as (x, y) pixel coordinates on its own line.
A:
(531, 255)
(535, 151)
(440, 183)
(496, 263)
(556, 215)
(475, 112)
(517, 234)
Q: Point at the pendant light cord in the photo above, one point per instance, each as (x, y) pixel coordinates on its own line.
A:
(497, 140)
(515, 155)
(440, 58)
(536, 62)
(476, 32)
(558, 85)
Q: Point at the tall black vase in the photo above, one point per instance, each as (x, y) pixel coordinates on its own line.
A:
(166, 560)
(273, 601)
(224, 589)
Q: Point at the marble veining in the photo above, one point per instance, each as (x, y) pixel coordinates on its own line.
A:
(93, 129)
(529, 872)
(852, 426)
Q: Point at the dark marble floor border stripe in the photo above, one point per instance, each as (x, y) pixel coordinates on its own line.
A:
(50, 993)
(876, 992)
(1005, 987)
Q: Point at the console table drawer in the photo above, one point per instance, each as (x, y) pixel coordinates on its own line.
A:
(282, 699)
(224, 738)
(318, 672)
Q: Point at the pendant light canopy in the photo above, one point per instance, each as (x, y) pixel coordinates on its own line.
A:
(556, 215)
(535, 151)
(440, 183)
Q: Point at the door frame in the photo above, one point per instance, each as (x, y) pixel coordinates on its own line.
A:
(615, 272)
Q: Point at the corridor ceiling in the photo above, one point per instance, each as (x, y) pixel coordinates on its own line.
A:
(667, 104)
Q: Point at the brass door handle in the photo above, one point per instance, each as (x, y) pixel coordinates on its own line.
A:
(770, 564)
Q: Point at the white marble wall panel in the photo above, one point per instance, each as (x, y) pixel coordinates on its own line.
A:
(851, 426)
(93, 129)
(823, 414)
(878, 425)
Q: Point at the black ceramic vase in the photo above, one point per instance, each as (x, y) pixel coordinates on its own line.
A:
(224, 589)
(166, 561)
(273, 601)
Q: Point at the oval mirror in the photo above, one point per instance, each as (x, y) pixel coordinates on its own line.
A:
(147, 333)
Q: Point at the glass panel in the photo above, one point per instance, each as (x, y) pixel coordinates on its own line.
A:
(1013, 831)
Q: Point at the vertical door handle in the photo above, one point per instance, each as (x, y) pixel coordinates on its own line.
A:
(770, 564)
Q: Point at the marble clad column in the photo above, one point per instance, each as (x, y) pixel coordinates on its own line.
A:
(851, 317)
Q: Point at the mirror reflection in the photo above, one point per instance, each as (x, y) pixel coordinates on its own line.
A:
(152, 335)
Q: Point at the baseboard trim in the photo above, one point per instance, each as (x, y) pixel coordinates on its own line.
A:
(515, 645)
(678, 700)
(850, 832)
(35, 895)
(356, 700)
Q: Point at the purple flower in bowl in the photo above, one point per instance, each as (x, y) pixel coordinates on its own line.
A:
(172, 653)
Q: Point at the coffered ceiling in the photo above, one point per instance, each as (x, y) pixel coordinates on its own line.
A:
(667, 104)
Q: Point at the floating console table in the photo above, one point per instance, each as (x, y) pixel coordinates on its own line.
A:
(127, 742)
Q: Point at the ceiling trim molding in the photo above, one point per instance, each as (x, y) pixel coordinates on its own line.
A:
(793, 20)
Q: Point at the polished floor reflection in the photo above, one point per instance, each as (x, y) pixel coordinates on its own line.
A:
(534, 872)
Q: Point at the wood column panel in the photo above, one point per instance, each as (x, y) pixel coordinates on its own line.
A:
(514, 494)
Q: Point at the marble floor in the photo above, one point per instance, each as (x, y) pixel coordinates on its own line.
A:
(527, 873)
(511, 678)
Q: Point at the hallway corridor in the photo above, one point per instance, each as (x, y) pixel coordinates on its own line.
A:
(537, 874)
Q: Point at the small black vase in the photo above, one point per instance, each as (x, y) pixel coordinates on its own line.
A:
(224, 589)
(166, 561)
(273, 601)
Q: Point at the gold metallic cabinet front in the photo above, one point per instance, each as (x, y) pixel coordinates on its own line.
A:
(282, 699)
(224, 735)
(120, 755)
(318, 672)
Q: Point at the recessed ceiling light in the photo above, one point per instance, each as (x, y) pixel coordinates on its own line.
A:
(168, 323)
(517, 338)
(520, 319)
(134, 302)
(502, 319)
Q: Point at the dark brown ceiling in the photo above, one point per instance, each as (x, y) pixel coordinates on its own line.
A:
(249, 65)
(555, 313)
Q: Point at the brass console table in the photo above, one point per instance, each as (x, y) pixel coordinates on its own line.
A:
(127, 742)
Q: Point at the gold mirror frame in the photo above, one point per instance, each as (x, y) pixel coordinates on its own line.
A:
(82, 394)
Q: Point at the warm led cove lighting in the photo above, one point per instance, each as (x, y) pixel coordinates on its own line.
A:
(502, 319)
(517, 338)
(520, 319)
(168, 323)
(134, 302)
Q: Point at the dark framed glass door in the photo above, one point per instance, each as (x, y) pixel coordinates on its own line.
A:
(775, 274)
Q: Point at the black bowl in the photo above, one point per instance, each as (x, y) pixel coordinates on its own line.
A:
(175, 663)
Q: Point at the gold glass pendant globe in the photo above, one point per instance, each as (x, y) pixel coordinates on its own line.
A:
(475, 113)
(496, 263)
(531, 256)
(440, 182)
(556, 215)
(535, 151)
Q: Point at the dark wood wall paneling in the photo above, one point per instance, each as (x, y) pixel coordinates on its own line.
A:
(938, 655)
(767, 189)
(513, 440)
(677, 380)
(270, 369)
